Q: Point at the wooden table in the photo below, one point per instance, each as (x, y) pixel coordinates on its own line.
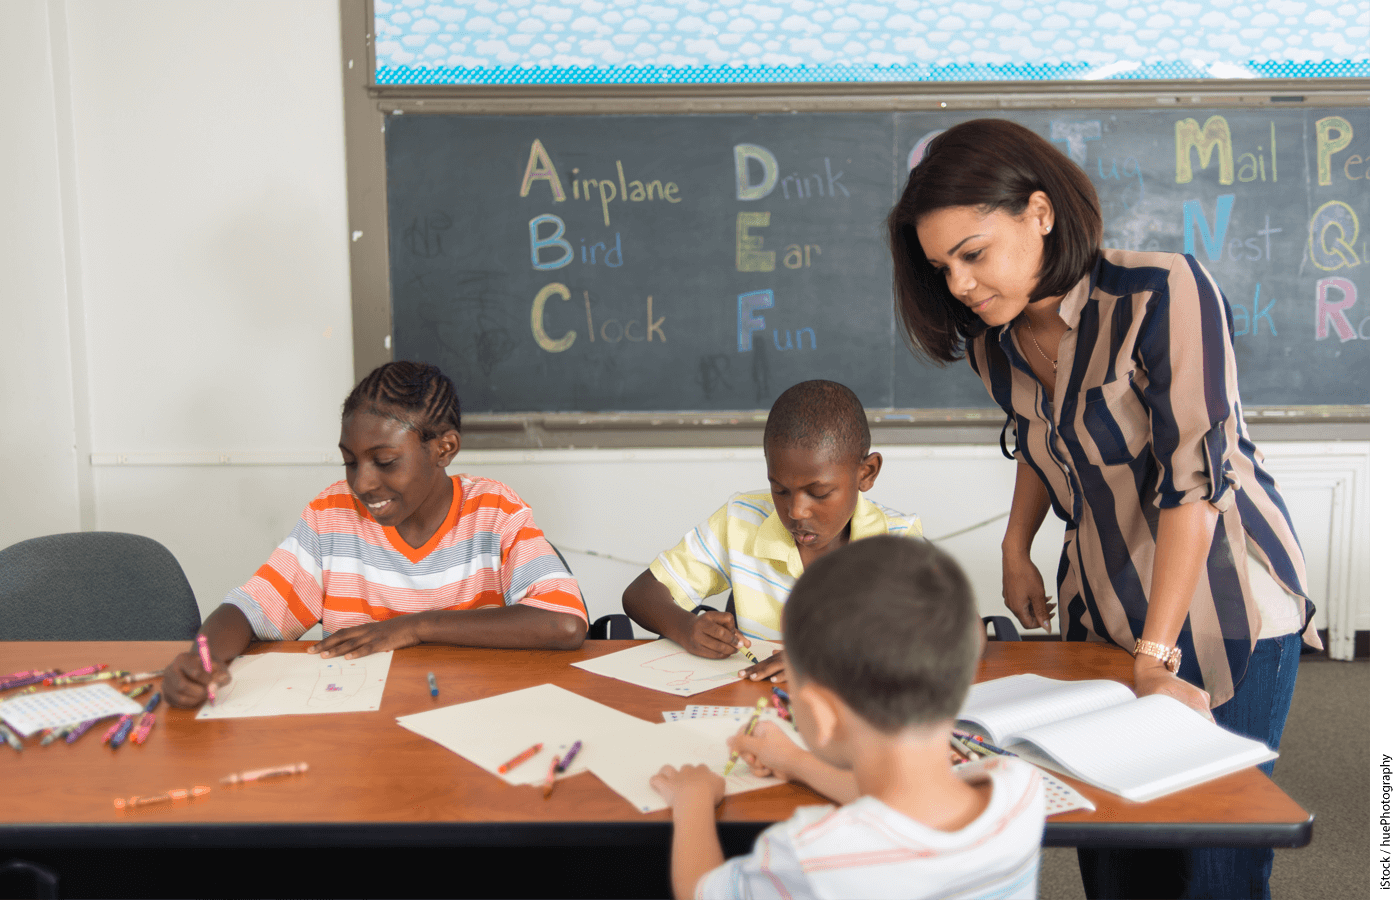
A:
(373, 784)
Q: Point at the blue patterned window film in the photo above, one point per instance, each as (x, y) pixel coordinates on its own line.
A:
(730, 41)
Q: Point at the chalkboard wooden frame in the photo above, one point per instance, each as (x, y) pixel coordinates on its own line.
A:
(367, 106)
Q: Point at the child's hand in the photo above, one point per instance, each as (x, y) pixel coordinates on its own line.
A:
(186, 684)
(768, 751)
(713, 635)
(774, 668)
(691, 785)
(362, 640)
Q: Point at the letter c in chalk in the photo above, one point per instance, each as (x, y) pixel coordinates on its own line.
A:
(550, 344)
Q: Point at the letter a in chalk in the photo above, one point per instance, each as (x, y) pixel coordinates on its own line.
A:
(541, 168)
(743, 189)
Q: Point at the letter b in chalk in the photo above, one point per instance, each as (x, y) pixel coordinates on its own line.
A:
(744, 188)
(554, 240)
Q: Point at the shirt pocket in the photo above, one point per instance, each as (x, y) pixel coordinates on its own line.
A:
(1115, 422)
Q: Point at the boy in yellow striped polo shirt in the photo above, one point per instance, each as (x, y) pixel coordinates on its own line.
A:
(817, 446)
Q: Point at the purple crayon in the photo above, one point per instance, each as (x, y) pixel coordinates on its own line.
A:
(80, 730)
(569, 757)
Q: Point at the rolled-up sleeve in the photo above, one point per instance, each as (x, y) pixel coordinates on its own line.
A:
(1186, 349)
(697, 567)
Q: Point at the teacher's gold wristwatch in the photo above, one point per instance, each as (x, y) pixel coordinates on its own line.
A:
(1169, 656)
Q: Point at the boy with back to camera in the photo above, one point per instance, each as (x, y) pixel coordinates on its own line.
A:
(817, 447)
(882, 643)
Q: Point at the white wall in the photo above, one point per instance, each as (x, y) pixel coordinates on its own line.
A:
(174, 291)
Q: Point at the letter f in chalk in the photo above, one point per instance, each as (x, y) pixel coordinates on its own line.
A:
(748, 322)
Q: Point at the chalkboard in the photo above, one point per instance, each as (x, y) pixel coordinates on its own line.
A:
(706, 262)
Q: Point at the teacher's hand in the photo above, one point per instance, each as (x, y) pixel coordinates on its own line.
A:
(1151, 677)
(1024, 591)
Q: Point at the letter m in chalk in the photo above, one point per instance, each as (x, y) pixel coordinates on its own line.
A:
(748, 322)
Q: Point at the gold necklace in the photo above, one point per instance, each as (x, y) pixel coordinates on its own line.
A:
(1054, 366)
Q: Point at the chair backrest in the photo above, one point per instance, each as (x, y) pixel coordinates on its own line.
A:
(94, 586)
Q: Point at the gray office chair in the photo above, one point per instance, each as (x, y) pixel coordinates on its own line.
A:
(611, 627)
(94, 586)
(1003, 629)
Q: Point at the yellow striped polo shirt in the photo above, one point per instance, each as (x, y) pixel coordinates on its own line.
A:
(745, 547)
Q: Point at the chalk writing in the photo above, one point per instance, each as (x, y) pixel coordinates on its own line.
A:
(1332, 236)
(1331, 314)
(1213, 238)
(1213, 137)
(1075, 136)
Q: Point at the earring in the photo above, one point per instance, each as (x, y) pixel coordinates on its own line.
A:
(1047, 229)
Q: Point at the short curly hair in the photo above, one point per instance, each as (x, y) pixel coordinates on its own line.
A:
(819, 415)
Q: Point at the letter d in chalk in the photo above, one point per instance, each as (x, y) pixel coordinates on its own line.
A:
(744, 189)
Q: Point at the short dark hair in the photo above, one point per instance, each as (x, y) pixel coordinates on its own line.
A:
(890, 625)
(418, 395)
(819, 415)
(988, 164)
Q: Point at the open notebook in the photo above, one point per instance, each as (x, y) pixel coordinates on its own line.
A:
(1099, 732)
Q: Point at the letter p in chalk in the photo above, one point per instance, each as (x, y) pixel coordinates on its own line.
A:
(748, 322)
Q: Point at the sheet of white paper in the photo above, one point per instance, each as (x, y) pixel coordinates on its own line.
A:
(285, 684)
(629, 768)
(29, 713)
(493, 730)
(663, 665)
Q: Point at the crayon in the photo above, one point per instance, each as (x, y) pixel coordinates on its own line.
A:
(569, 757)
(193, 793)
(260, 774)
(203, 643)
(519, 758)
(748, 729)
(549, 777)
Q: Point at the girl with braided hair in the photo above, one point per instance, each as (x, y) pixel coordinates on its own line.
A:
(399, 553)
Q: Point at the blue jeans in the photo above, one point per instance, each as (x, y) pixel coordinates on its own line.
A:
(1258, 710)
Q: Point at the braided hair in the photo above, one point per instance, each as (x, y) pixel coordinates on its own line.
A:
(417, 395)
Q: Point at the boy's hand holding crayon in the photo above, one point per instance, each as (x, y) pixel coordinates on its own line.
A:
(713, 635)
(768, 751)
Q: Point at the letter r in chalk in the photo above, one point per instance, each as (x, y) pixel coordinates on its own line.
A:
(748, 322)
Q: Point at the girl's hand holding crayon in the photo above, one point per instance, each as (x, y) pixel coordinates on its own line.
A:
(186, 683)
(689, 786)
(713, 635)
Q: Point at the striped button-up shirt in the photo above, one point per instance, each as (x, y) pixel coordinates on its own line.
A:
(341, 568)
(1146, 416)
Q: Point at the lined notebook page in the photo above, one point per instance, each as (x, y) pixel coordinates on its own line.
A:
(1009, 705)
(1147, 748)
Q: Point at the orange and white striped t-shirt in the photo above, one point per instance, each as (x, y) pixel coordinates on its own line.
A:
(341, 568)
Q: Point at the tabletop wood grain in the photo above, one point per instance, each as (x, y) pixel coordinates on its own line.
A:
(364, 768)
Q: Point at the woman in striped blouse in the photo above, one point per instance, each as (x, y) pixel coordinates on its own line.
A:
(1178, 547)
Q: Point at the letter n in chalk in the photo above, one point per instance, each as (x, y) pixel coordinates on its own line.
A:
(748, 322)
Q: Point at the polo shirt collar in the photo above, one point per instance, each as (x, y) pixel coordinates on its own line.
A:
(775, 542)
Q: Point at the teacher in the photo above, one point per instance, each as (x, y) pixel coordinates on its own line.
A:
(1177, 546)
